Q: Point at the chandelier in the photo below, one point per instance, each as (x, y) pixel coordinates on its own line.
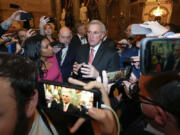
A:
(159, 11)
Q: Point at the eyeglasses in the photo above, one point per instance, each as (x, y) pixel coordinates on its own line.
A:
(134, 94)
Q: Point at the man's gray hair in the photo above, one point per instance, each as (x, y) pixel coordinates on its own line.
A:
(102, 26)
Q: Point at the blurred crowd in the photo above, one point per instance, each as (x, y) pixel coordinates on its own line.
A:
(145, 105)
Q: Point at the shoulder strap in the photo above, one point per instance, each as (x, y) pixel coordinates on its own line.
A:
(45, 120)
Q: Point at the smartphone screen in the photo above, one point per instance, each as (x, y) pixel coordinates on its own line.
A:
(75, 101)
(121, 74)
(12, 48)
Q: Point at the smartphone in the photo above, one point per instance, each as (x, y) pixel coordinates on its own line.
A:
(122, 74)
(70, 99)
(159, 55)
(14, 6)
(50, 19)
(25, 16)
(12, 48)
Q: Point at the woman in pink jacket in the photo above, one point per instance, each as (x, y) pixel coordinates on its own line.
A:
(38, 49)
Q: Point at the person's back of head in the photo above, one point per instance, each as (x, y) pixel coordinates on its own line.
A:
(18, 79)
(32, 47)
(81, 29)
(20, 71)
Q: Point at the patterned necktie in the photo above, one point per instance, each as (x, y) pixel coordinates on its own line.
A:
(91, 56)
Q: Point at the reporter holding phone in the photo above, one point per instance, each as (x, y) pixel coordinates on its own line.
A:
(46, 28)
(5, 25)
(38, 49)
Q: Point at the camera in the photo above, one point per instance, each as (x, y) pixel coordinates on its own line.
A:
(122, 45)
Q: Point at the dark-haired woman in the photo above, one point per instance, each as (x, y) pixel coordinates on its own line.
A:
(38, 49)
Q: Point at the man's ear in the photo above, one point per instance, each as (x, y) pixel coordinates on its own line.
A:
(103, 35)
(31, 104)
(160, 117)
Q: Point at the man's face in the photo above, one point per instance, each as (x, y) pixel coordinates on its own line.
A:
(22, 35)
(128, 31)
(82, 30)
(177, 51)
(95, 35)
(48, 30)
(66, 98)
(65, 36)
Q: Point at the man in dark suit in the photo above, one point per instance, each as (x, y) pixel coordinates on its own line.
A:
(66, 104)
(94, 57)
(80, 38)
(66, 57)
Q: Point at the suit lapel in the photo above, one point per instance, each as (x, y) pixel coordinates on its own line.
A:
(66, 57)
(98, 55)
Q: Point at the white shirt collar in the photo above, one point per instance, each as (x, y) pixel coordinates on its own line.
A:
(84, 40)
(79, 36)
(96, 47)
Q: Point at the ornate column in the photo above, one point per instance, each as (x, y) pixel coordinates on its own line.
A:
(58, 13)
(102, 6)
(175, 12)
(76, 10)
(124, 16)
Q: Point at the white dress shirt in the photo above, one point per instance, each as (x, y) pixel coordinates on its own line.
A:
(64, 52)
(83, 41)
